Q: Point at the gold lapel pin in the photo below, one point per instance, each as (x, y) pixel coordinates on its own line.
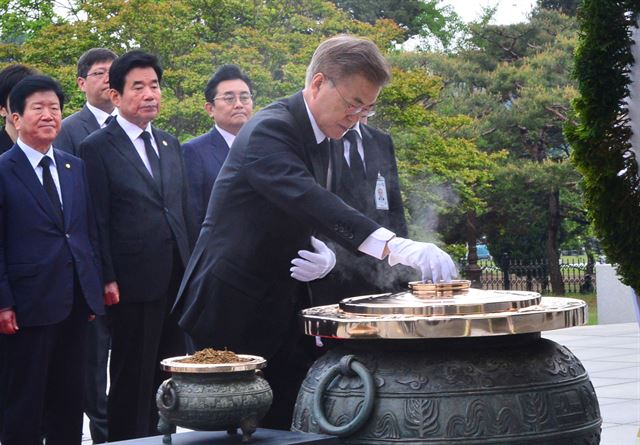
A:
(67, 165)
(165, 143)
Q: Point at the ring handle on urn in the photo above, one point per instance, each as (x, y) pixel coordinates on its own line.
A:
(168, 398)
(347, 367)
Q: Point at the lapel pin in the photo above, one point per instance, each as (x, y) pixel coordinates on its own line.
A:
(165, 143)
(67, 165)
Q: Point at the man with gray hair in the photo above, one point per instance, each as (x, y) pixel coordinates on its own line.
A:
(247, 276)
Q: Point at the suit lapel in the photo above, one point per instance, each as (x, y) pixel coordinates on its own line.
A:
(65, 175)
(317, 154)
(220, 147)
(124, 146)
(90, 123)
(25, 173)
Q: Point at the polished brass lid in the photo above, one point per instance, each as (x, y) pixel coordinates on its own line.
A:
(443, 310)
(471, 301)
(175, 364)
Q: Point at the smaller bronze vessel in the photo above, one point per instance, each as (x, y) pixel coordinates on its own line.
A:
(213, 397)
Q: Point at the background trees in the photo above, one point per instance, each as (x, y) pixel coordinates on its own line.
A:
(477, 123)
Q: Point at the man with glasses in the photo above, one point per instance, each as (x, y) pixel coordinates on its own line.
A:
(240, 289)
(93, 80)
(229, 103)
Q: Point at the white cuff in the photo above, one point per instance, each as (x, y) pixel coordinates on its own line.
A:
(376, 242)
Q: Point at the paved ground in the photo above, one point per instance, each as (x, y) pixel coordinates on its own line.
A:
(611, 355)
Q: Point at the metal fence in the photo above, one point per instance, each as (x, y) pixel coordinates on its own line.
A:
(516, 274)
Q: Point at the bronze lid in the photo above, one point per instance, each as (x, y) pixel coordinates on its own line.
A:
(443, 311)
(174, 364)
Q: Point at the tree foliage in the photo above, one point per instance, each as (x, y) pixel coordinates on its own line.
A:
(568, 7)
(600, 137)
(21, 19)
(425, 18)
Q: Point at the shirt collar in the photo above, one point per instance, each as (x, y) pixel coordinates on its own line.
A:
(228, 137)
(320, 136)
(100, 115)
(132, 130)
(33, 155)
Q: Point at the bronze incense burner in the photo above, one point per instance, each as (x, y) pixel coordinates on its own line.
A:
(213, 397)
(446, 364)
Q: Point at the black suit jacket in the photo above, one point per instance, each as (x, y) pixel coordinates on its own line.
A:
(266, 203)
(139, 225)
(203, 159)
(356, 273)
(5, 141)
(74, 129)
(38, 253)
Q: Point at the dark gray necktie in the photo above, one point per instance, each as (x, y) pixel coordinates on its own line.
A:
(50, 187)
(355, 161)
(154, 161)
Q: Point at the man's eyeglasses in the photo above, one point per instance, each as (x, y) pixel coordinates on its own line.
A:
(97, 74)
(355, 110)
(230, 99)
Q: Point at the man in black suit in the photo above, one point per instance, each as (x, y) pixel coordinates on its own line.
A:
(137, 180)
(9, 77)
(229, 103)
(93, 79)
(50, 278)
(365, 175)
(239, 290)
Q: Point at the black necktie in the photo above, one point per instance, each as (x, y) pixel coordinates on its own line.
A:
(355, 161)
(154, 162)
(107, 120)
(50, 187)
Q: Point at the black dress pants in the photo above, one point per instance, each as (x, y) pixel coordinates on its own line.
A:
(142, 334)
(95, 378)
(41, 374)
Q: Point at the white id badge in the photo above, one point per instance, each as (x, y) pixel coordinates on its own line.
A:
(382, 203)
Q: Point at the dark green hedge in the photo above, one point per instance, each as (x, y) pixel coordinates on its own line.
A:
(600, 134)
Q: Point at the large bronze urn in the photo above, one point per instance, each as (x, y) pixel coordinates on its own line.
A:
(448, 365)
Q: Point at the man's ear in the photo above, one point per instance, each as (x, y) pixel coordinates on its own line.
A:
(17, 120)
(208, 107)
(81, 81)
(316, 82)
(115, 97)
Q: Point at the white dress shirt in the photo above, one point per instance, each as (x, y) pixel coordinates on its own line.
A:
(101, 116)
(134, 132)
(228, 137)
(34, 157)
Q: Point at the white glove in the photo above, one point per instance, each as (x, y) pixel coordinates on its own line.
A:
(313, 265)
(434, 263)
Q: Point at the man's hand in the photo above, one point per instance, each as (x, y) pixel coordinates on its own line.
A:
(8, 323)
(111, 293)
(313, 265)
(434, 263)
